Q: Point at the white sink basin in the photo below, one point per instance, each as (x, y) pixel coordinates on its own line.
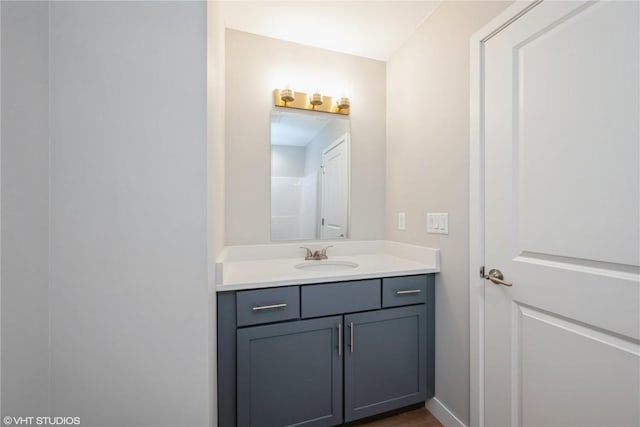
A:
(326, 265)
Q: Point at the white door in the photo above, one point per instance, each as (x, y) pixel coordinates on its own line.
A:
(335, 189)
(562, 217)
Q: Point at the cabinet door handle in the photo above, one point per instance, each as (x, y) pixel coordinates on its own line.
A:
(339, 339)
(409, 291)
(351, 336)
(268, 307)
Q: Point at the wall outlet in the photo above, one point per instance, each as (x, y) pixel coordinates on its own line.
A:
(402, 225)
(438, 223)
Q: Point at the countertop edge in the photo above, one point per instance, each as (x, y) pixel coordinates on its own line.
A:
(316, 280)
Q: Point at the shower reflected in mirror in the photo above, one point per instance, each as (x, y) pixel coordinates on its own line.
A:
(310, 174)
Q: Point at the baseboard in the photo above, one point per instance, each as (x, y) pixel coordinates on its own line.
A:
(443, 414)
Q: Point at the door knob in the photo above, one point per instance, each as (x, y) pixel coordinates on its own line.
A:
(496, 277)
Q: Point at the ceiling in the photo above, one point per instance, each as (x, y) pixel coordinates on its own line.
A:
(372, 29)
(296, 128)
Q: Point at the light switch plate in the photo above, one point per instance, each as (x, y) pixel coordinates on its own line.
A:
(438, 223)
(402, 225)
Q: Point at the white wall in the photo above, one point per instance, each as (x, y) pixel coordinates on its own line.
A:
(255, 66)
(428, 171)
(128, 295)
(25, 208)
(287, 160)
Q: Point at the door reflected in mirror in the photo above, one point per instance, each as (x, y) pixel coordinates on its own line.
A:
(310, 174)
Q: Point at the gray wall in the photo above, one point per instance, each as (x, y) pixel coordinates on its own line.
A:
(428, 171)
(215, 177)
(104, 213)
(255, 66)
(25, 208)
(216, 82)
(128, 292)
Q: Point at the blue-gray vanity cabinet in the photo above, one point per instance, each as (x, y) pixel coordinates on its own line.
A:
(290, 374)
(406, 290)
(267, 305)
(287, 366)
(385, 360)
(328, 299)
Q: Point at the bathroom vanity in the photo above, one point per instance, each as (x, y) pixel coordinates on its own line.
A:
(327, 352)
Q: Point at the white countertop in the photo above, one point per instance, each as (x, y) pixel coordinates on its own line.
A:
(243, 268)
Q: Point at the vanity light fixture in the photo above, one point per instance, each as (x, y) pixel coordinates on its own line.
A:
(287, 95)
(315, 102)
(343, 103)
(315, 99)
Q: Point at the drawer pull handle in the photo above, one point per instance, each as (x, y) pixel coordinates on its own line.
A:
(339, 339)
(351, 337)
(410, 291)
(268, 307)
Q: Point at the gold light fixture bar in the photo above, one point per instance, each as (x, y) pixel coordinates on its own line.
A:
(301, 102)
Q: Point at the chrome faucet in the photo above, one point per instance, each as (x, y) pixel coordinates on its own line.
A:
(316, 255)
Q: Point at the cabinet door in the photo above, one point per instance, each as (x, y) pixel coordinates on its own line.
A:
(290, 374)
(385, 360)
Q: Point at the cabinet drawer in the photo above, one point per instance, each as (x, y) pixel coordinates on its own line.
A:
(404, 290)
(267, 305)
(338, 298)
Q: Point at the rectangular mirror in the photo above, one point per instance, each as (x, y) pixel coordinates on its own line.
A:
(310, 174)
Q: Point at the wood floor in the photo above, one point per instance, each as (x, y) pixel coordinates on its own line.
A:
(415, 418)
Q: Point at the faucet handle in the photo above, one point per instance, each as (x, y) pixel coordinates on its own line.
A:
(324, 251)
(309, 254)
